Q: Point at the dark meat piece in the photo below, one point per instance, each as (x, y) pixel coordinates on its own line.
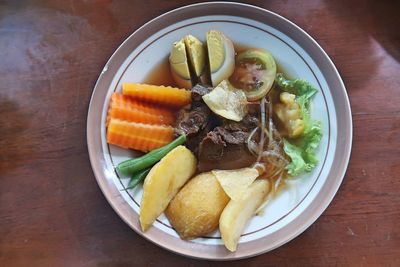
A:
(195, 123)
(193, 142)
(225, 147)
(193, 120)
(197, 120)
(247, 124)
(198, 91)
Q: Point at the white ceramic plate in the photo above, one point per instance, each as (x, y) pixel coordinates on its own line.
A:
(298, 55)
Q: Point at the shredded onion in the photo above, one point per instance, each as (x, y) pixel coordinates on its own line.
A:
(278, 182)
(266, 132)
(271, 159)
(274, 154)
(270, 124)
(266, 143)
(262, 137)
(251, 145)
(259, 167)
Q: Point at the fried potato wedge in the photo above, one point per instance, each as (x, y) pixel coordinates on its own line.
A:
(163, 182)
(238, 212)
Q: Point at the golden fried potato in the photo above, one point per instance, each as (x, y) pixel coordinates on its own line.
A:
(237, 213)
(163, 182)
(196, 209)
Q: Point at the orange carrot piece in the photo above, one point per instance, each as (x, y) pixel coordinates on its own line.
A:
(125, 108)
(139, 136)
(164, 95)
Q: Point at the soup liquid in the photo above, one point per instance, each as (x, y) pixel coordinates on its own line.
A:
(160, 75)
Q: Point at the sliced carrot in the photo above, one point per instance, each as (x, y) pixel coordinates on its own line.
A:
(140, 136)
(164, 95)
(125, 108)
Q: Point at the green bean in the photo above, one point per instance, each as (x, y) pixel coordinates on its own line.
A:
(131, 166)
(137, 178)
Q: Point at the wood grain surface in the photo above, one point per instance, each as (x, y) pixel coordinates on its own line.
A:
(52, 212)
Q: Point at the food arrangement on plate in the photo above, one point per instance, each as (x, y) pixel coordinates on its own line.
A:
(219, 142)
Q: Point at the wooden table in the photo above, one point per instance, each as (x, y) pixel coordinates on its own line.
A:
(52, 213)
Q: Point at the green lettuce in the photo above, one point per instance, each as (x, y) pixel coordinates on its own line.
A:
(297, 87)
(301, 150)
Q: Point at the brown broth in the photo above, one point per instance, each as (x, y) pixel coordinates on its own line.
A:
(241, 47)
(160, 75)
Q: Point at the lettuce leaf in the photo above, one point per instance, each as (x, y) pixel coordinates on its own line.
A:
(297, 87)
(302, 149)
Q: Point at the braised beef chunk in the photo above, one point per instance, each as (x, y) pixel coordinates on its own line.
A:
(248, 123)
(195, 123)
(192, 121)
(193, 142)
(225, 147)
(197, 120)
(198, 91)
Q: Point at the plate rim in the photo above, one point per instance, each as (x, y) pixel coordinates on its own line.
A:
(344, 162)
